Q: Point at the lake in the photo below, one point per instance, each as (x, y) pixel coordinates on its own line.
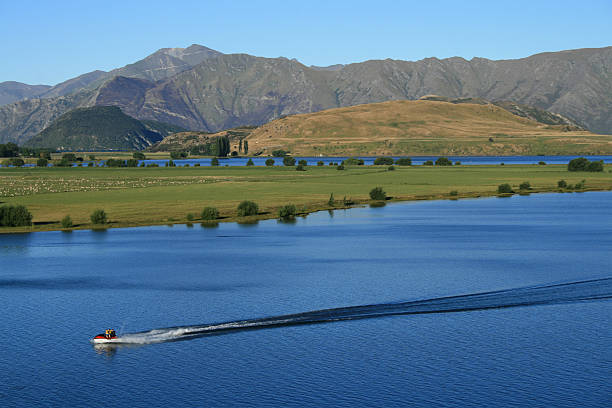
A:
(487, 302)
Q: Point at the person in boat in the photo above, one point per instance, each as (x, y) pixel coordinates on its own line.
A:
(110, 333)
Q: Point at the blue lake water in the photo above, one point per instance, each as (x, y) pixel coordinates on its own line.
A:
(489, 302)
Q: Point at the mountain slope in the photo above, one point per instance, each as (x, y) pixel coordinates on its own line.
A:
(11, 91)
(421, 127)
(100, 128)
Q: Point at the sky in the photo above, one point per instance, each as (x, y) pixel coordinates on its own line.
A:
(47, 42)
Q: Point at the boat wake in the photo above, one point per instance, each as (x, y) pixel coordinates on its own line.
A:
(582, 291)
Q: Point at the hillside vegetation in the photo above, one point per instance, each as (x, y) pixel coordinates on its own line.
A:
(421, 128)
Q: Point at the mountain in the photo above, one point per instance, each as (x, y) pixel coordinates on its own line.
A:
(11, 91)
(100, 128)
(225, 91)
(422, 127)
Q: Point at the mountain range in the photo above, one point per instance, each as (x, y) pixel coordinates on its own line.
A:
(204, 90)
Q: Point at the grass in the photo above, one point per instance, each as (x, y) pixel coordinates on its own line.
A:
(150, 196)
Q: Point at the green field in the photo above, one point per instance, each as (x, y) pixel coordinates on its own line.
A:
(148, 196)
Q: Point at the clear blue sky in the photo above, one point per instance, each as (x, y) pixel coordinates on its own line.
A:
(50, 41)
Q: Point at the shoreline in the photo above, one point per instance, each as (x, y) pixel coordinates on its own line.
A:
(268, 215)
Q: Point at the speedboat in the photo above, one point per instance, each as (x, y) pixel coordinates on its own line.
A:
(109, 336)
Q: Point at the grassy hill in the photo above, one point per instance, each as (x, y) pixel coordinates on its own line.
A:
(422, 127)
(100, 128)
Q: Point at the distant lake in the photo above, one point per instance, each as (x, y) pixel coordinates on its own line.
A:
(499, 302)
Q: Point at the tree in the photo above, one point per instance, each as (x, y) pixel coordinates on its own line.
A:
(595, 166)
(525, 185)
(92, 157)
(504, 189)
(114, 162)
(250, 162)
(246, 208)
(240, 146)
(340, 167)
(578, 164)
(428, 163)
(391, 168)
(246, 147)
(443, 161)
(131, 163)
(383, 161)
(279, 153)
(562, 184)
(300, 167)
(404, 161)
(15, 216)
(71, 157)
(98, 217)
(176, 155)
(209, 213)
(320, 163)
(139, 155)
(377, 193)
(331, 201)
(42, 162)
(9, 150)
(287, 211)
(13, 161)
(269, 162)
(303, 162)
(214, 161)
(353, 161)
(288, 161)
(66, 222)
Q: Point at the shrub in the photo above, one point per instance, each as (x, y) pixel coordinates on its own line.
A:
(288, 161)
(404, 161)
(178, 155)
(443, 161)
(71, 157)
(320, 163)
(457, 163)
(142, 164)
(113, 163)
(66, 222)
(504, 189)
(347, 201)
(353, 161)
(303, 162)
(270, 162)
(331, 201)
(331, 164)
(152, 165)
(247, 208)
(381, 161)
(139, 156)
(250, 162)
(340, 167)
(234, 153)
(42, 162)
(15, 216)
(131, 163)
(214, 161)
(580, 185)
(287, 211)
(279, 153)
(595, 166)
(428, 163)
(190, 217)
(209, 213)
(300, 167)
(542, 163)
(454, 193)
(91, 164)
(98, 217)
(196, 165)
(377, 193)
(578, 164)
(184, 165)
(13, 161)
(562, 184)
(62, 163)
(391, 168)
(525, 185)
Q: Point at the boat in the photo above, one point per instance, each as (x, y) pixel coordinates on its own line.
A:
(109, 336)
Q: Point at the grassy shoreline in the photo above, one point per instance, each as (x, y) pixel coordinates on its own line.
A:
(143, 197)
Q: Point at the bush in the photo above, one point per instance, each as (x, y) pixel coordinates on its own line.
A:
(209, 213)
(113, 163)
(443, 161)
(562, 184)
(152, 165)
(320, 163)
(501, 164)
(340, 167)
(579, 186)
(288, 161)
(270, 162)
(42, 162)
(139, 156)
(287, 211)
(196, 165)
(62, 163)
(331, 200)
(595, 166)
(190, 217)
(353, 161)
(382, 161)
(391, 168)
(404, 161)
(178, 155)
(66, 222)
(71, 157)
(131, 163)
(214, 161)
(15, 216)
(247, 208)
(300, 167)
(98, 217)
(504, 189)
(578, 164)
(279, 153)
(250, 162)
(331, 164)
(91, 164)
(457, 163)
(13, 161)
(454, 193)
(541, 163)
(303, 162)
(377, 193)
(428, 163)
(525, 185)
